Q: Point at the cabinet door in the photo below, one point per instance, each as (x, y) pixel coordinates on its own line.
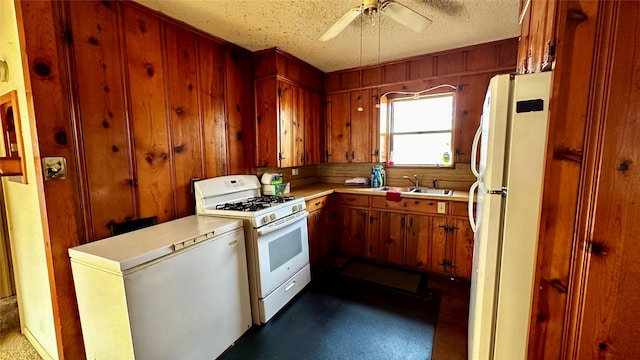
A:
(312, 131)
(313, 227)
(360, 150)
(419, 239)
(462, 257)
(286, 98)
(298, 125)
(439, 245)
(338, 128)
(374, 246)
(267, 122)
(469, 103)
(355, 223)
(392, 239)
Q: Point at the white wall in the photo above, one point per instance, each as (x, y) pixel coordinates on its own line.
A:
(23, 212)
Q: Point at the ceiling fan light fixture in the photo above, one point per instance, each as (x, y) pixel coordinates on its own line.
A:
(372, 8)
(369, 11)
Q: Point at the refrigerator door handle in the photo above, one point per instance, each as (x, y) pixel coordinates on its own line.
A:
(472, 192)
(474, 151)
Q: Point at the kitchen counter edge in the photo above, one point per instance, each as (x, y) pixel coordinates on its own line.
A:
(309, 192)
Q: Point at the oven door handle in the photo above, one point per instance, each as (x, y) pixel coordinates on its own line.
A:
(279, 224)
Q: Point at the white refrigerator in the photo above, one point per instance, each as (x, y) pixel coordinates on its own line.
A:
(511, 141)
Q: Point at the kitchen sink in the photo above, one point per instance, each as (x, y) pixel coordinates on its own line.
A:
(434, 192)
(402, 189)
(416, 190)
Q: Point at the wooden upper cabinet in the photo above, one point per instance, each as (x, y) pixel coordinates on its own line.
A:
(352, 126)
(287, 112)
(536, 50)
(267, 127)
(338, 128)
(361, 126)
(288, 123)
(313, 132)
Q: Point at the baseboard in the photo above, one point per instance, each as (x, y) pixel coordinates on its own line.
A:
(36, 345)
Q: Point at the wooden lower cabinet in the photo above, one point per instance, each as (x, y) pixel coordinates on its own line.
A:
(387, 236)
(320, 243)
(408, 233)
(351, 226)
(419, 240)
(452, 247)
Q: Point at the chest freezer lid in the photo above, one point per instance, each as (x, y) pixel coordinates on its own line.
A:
(122, 252)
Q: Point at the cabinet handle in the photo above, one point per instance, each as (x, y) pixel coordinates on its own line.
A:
(402, 222)
(411, 222)
(346, 155)
(318, 203)
(353, 156)
(350, 199)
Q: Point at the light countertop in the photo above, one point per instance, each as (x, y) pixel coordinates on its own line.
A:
(309, 192)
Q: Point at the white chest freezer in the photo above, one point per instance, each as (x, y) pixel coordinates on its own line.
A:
(176, 290)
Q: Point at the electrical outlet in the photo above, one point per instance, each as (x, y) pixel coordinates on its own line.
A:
(442, 207)
(294, 171)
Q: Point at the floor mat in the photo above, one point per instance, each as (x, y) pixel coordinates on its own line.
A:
(337, 317)
(383, 276)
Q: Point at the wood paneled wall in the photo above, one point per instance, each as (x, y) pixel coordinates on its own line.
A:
(469, 69)
(585, 290)
(489, 57)
(138, 105)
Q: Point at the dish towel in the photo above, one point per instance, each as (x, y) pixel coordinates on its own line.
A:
(393, 195)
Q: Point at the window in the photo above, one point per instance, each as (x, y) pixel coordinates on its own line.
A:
(420, 130)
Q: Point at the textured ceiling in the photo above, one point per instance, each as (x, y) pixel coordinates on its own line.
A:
(296, 25)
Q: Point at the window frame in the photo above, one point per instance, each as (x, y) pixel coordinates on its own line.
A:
(386, 125)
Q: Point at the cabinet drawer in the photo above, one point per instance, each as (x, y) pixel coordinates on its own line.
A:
(458, 208)
(352, 200)
(317, 203)
(429, 206)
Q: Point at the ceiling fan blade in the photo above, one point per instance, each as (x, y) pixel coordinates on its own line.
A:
(405, 16)
(341, 24)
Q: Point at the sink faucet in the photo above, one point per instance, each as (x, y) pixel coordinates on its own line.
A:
(435, 183)
(415, 180)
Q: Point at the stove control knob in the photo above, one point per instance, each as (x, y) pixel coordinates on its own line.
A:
(300, 206)
(272, 216)
(265, 219)
(294, 208)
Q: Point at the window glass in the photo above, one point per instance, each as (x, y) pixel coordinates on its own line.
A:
(421, 130)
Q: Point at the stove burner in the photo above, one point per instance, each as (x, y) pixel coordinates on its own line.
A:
(255, 203)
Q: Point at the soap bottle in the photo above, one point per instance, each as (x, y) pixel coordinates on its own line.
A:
(375, 177)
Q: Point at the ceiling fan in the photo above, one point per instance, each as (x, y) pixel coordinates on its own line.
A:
(369, 8)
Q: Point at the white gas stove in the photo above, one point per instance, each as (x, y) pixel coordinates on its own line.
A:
(239, 196)
(276, 238)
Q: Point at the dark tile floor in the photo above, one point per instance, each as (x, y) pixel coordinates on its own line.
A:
(341, 318)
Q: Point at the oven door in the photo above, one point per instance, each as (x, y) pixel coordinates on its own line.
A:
(282, 253)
